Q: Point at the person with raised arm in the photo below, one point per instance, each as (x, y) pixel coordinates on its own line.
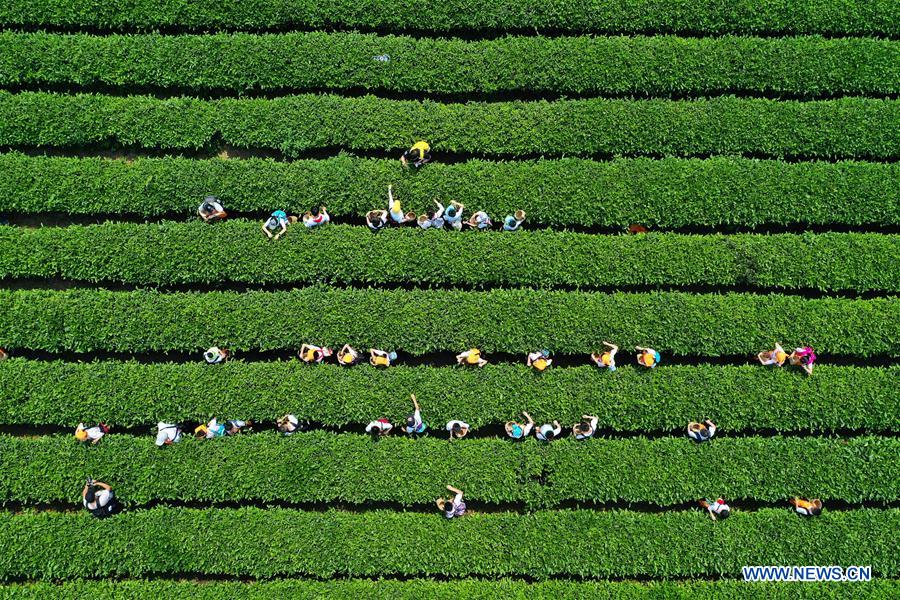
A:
(395, 210)
(452, 507)
(316, 216)
(414, 422)
(453, 215)
(607, 359)
(519, 431)
(347, 356)
(548, 432)
(98, 498)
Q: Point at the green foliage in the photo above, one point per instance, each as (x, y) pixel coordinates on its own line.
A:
(251, 542)
(633, 16)
(843, 128)
(669, 192)
(655, 65)
(420, 321)
(325, 467)
(736, 398)
(419, 589)
(173, 253)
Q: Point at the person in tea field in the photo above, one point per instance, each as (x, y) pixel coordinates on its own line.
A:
(311, 354)
(514, 222)
(803, 357)
(91, 434)
(452, 507)
(773, 357)
(418, 155)
(414, 422)
(807, 508)
(316, 216)
(396, 211)
(211, 210)
(98, 498)
(380, 358)
(433, 218)
(278, 222)
(701, 432)
(519, 431)
(234, 426)
(586, 428)
(453, 215)
(3, 354)
(290, 424)
(458, 429)
(718, 509)
(347, 356)
(211, 430)
(216, 355)
(472, 358)
(607, 359)
(377, 219)
(379, 428)
(479, 220)
(539, 360)
(167, 434)
(548, 432)
(648, 357)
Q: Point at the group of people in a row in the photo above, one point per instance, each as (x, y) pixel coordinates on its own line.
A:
(211, 209)
(171, 433)
(276, 225)
(539, 360)
(719, 509)
(437, 217)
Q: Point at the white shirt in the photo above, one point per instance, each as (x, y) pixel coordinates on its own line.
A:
(462, 424)
(101, 499)
(167, 432)
(216, 207)
(543, 430)
(315, 221)
(93, 433)
(593, 424)
(292, 420)
(214, 355)
(455, 219)
(717, 507)
(379, 425)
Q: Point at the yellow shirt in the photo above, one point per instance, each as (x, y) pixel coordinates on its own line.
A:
(422, 147)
